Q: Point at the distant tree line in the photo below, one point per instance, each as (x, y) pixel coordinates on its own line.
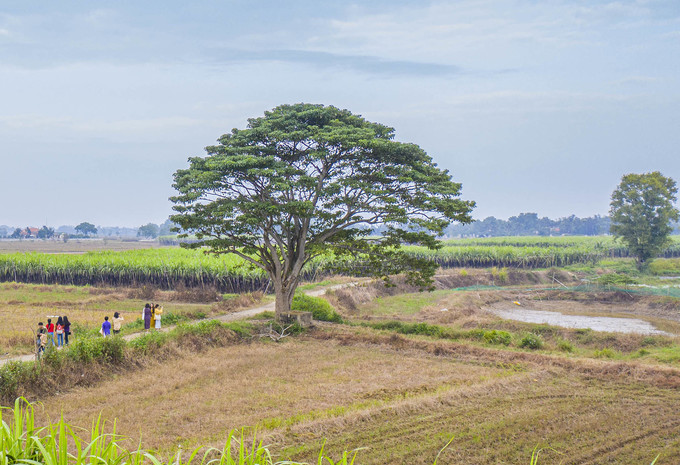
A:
(87, 230)
(524, 224)
(529, 224)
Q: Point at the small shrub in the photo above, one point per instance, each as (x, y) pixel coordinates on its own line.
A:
(605, 353)
(463, 273)
(584, 335)
(96, 348)
(320, 308)
(503, 275)
(149, 342)
(497, 337)
(641, 353)
(531, 341)
(649, 341)
(113, 349)
(476, 333)
(52, 357)
(170, 318)
(565, 346)
(615, 279)
(425, 329)
(11, 374)
(544, 330)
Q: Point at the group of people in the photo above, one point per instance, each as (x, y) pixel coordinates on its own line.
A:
(152, 312)
(62, 328)
(45, 334)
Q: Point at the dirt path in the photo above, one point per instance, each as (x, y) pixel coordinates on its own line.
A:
(240, 315)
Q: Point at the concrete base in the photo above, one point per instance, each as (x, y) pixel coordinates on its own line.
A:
(304, 319)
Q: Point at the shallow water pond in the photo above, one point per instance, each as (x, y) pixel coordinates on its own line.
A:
(596, 323)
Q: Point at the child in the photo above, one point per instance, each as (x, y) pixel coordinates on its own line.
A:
(106, 327)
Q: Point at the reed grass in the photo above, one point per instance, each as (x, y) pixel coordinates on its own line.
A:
(59, 443)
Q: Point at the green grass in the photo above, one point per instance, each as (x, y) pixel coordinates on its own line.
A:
(583, 343)
(665, 267)
(403, 304)
(320, 309)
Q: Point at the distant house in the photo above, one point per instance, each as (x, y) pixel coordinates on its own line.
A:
(29, 233)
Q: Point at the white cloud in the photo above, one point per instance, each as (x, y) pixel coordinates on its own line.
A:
(479, 30)
(136, 126)
(638, 80)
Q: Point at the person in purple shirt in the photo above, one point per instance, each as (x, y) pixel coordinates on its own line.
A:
(106, 327)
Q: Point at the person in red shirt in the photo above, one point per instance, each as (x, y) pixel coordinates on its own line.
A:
(50, 331)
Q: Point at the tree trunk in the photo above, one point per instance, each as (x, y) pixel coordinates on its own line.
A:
(284, 298)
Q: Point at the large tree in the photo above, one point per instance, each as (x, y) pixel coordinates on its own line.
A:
(86, 228)
(149, 230)
(641, 211)
(306, 180)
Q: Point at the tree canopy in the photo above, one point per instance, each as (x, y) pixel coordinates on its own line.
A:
(306, 180)
(641, 211)
(86, 228)
(45, 232)
(149, 230)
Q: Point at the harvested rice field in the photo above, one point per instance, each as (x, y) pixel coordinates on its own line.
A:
(402, 398)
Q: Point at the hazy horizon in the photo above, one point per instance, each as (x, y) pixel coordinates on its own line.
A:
(533, 106)
(123, 226)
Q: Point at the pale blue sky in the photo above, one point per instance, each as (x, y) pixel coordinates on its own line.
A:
(534, 106)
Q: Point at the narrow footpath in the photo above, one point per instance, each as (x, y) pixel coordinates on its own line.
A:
(235, 316)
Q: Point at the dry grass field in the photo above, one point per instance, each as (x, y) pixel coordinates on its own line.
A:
(401, 398)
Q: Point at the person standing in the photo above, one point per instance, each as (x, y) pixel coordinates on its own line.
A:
(67, 329)
(117, 323)
(41, 340)
(59, 329)
(106, 327)
(147, 317)
(157, 312)
(50, 331)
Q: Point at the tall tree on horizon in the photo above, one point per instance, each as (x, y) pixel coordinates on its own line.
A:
(642, 209)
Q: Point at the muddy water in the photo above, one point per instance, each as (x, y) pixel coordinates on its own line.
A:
(596, 323)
